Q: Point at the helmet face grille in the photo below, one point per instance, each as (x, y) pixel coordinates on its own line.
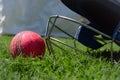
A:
(87, 38)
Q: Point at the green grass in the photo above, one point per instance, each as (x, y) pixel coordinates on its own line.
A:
(61, 65)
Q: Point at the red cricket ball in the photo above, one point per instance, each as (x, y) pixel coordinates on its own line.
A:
(27, 44)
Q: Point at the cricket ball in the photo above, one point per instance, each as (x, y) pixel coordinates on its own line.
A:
(27, 44)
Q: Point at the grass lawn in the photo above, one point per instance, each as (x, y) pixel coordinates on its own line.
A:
(61, 65)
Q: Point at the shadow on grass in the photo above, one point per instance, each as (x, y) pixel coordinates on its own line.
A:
(107, 54)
